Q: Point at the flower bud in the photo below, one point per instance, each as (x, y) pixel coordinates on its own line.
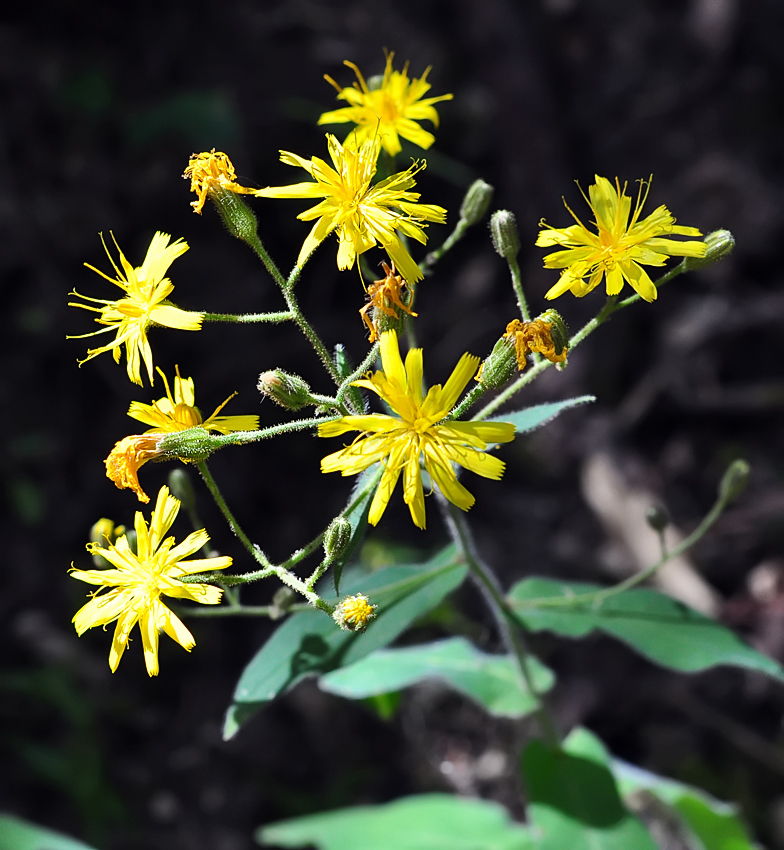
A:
(734, 480)
(353, 613)
(503, 229)
(498, 368)
(103, 534)
(476, 202)
(719, 244)
(657, 518)
(337, 538)
(181, 487)
(289, 391)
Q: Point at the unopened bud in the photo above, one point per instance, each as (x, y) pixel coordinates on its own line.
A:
(476, 202)
(181, 487)
(734, 480)
(103, 534)
(719, 244)
(281, 602)
(498, 368)
(289, 391)
(353, 613)
(337, 538)
(503, 229)
(657, 518)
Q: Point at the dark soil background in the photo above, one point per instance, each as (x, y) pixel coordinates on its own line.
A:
(101, 108)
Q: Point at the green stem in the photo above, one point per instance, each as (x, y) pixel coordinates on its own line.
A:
(261, 252)
(363, 367)
(461, 228)
(508, 626)
(254, 551)
(470, 398)
(237, 610)
(249, 318)
(517, 284)
(598, 596)
(241, 438)
(612, 305)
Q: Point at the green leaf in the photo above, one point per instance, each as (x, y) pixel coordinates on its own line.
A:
(18, 834)
(711, 824)
(357, 513)
(425, 822)
(573, 800)
(660, 628)
(534, 417)
(492, 680)
(309, 643)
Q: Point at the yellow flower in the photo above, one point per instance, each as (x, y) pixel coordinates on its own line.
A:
(167, 415)
(415, 433)
(144, 304)
(140, 578)
(353, 613)
(362, 215)
(389, 111)
(210, 172)
(620, 248)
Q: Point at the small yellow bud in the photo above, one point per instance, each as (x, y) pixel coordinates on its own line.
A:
(289, 391)
(353, 613)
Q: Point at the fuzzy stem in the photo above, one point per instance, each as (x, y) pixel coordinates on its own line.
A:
(249, 318)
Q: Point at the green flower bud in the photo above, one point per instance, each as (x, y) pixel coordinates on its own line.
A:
(193, 445)
(476, 202)
(734, 480)
(657, 518)
(719, 244)
(181, 487)
(500, 366)
(503, 229)
(337, 538)
(239, 218)
(289, 391)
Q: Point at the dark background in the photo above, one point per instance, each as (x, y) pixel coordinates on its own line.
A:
(101, 109)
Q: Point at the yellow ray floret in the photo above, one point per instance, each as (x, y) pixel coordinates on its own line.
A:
(391, 110)
(139, 578)
(177, 412)
(620, 247)
(144, 304)
(414, 435)
(210, 172)
(362, 215)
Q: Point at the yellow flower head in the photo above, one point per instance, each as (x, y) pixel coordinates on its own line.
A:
(173, 413)
(353, 613)
(415, 434)
(362, 215)
(620, 247)
(390, 110)
(144, 304)
(139, 579)
(210, 172)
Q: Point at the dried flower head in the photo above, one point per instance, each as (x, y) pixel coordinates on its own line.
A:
(545, 335)
(209, 173)
(386, 296)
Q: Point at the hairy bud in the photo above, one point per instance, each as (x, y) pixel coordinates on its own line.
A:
(734, 480)
(289, 391)
(476, 202)
(337, 538)
(503, 229)
(719, 244)
(498, 368)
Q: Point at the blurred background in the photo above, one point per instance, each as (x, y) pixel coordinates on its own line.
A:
(101, 108)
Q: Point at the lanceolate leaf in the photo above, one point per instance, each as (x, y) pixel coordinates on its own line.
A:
(660, 628)
(573, 800)
(309, 643)
(425, 822)
(18, 834)
(534, 417)
(710, 824)
(492, 680)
